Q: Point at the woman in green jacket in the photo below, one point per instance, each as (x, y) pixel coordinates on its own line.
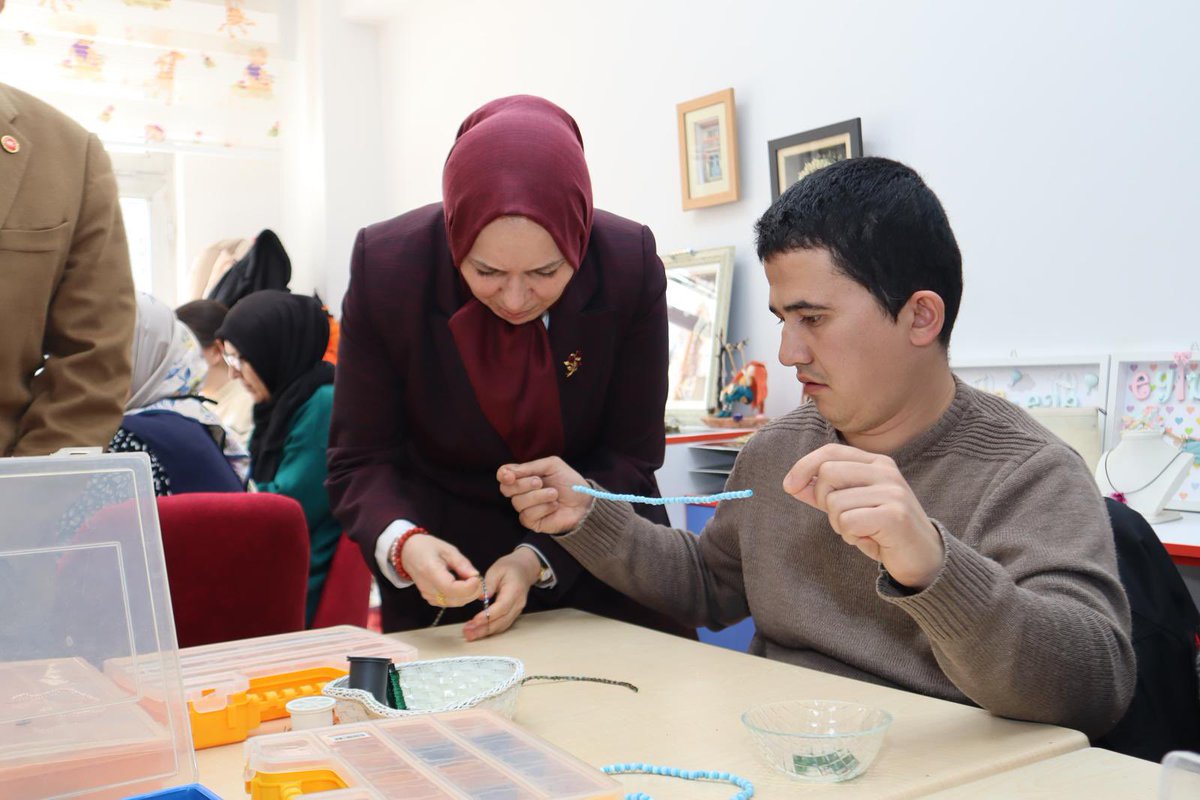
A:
(274, 342)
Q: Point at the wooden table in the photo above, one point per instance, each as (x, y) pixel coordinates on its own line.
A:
(1092, 773)
(687, 713)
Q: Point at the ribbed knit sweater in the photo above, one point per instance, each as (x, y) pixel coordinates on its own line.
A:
(1026, 618)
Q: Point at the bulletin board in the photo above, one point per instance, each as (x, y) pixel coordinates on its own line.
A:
(1160, 390)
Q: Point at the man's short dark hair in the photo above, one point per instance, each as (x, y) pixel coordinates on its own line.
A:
(203, 317)
(883, 227)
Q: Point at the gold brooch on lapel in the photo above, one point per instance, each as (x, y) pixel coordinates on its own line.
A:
(572, 363)
(10, 144)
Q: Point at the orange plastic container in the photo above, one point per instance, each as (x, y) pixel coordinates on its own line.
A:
(236, 689)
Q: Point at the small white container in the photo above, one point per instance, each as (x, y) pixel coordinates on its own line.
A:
(311, 712)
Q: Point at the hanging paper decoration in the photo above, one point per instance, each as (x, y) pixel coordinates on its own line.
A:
(185, 74)
(236, 22)
(83, 61)
(163, 84)
(255, 80)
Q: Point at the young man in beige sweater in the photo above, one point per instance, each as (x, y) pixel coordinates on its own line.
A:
(980, 566)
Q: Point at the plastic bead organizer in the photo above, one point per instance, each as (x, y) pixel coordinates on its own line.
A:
(463, 754)
(232, 688)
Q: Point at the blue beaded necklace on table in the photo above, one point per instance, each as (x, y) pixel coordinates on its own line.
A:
(746, 787)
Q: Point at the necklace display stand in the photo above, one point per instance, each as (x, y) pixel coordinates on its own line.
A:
(1144, 471)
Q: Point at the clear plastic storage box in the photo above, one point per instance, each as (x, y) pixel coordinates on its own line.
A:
(464, 754)
(83, 582)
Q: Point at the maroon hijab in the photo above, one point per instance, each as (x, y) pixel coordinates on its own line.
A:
(516, 156)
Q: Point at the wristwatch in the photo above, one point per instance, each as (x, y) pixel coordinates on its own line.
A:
(546, 573)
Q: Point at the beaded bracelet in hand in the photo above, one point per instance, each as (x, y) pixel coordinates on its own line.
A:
(397, 547)
(747, 788)
(662, 501)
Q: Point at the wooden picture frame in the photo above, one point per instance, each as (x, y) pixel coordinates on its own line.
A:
(793, 157)
(708, 168)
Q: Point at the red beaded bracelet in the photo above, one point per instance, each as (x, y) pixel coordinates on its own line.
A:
(397, 546)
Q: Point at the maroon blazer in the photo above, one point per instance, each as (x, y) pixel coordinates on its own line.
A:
(409, 440)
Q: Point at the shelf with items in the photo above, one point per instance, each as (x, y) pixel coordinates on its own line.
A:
(696, 468)
(693, 435)
(711, 463)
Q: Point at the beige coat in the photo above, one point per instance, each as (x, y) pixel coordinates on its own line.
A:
(66, 292)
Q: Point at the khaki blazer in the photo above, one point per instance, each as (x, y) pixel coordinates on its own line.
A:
(66, 293)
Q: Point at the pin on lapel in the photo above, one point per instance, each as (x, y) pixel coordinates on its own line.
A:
(572, 363)
(9, 144)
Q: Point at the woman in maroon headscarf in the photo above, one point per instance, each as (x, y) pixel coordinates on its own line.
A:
(509, 322)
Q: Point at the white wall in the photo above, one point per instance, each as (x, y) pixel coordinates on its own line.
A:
(346, 143)
(220, 197)
(325, 183)
(1058, 135)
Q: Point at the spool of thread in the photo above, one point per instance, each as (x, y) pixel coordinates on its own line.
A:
(371, 675)
(311, 712)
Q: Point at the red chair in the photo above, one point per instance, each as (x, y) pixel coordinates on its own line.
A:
(237, 565)
(347, 589)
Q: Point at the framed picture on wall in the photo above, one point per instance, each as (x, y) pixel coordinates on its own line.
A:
(793, 157)
(1067, 394)
(1160, 391)
(708, 150)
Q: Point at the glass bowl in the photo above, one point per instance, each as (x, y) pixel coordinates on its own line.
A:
(823, 741)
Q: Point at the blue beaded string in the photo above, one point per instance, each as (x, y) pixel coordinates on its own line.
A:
(662, 501)
(746, 787)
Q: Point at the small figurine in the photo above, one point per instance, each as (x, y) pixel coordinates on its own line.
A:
(747, 385)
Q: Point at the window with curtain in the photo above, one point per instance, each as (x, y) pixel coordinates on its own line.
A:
(173, 75)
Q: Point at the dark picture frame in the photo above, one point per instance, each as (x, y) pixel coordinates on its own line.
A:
(793, 157)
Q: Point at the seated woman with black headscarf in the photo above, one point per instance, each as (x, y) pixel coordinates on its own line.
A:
(274, 342)
(166, 418)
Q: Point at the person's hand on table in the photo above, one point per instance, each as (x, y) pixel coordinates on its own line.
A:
(872, 507)
(541, 493)
(443, 575)
(508, 583)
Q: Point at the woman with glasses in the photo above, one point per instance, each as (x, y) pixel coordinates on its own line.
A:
(165, 416)
(273, 342)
